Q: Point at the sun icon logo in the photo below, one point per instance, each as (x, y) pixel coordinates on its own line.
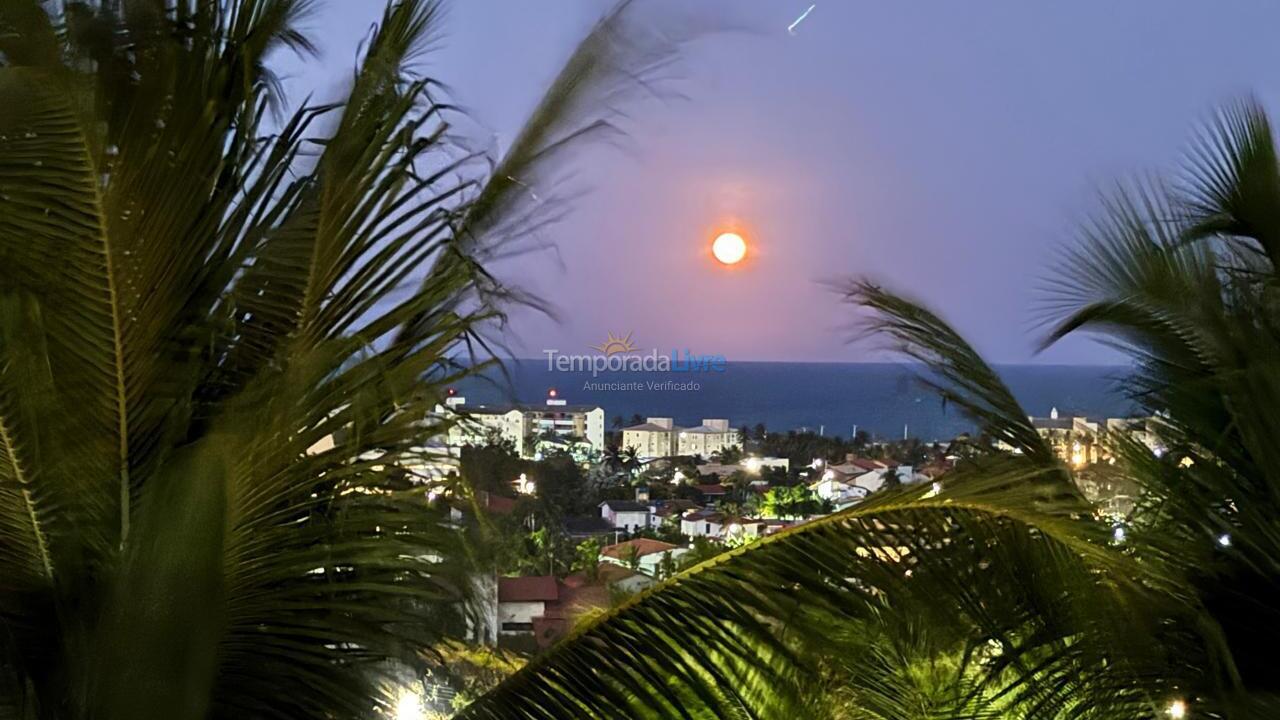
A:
(615, 345)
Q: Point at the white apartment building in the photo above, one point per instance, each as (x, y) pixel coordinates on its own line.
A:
(709, 438)
(660, 437)
(655, 437)
(523, 425)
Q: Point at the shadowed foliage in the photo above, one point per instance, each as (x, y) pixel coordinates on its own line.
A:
(224, 326)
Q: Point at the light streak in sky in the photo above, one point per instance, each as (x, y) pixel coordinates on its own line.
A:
(792, 27)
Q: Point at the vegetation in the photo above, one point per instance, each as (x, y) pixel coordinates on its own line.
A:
(224, 323)
(998, 592)
(796, 501)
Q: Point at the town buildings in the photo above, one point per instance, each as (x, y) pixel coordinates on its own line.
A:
(578, 429)
(628, 515)
(660, 437)
(643, 554)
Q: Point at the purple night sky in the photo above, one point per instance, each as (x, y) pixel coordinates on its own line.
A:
(945, 148)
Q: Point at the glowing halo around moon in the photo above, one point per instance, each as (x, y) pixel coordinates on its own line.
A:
(729, 248)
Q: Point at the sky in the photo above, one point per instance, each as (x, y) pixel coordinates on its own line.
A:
(949, 150)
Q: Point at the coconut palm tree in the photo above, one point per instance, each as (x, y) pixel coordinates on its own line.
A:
(223, 328)
(999, 592)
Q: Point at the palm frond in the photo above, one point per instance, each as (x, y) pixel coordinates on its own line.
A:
(1232, 186)
(754, 622)
(955, 370)
(1184, 282)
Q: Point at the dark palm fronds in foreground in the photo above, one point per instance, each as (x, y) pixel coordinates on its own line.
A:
(223, 328)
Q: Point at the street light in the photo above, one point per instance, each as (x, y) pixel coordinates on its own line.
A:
(410, 705)
(1177, 709)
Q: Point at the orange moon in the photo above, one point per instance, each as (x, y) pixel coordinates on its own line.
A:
(729, 248)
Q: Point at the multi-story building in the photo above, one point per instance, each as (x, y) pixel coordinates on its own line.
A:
(655, 437)
(526, 426)
(1074, 439)
(660, 437)
(709, 438)
(1145, 430)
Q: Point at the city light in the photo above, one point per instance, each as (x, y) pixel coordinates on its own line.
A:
(1177, 709)
(1118, 534)
(1224, 540)
(524, 485)
(753, 465)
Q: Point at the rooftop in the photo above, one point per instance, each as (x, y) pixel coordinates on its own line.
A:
(589, 525)
(708, 429)
(709, 515)
(504, 408)
(537, 588)
(625, 506)
(643, 546)
(650, 427)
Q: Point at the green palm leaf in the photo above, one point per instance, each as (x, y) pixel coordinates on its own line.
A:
(744, 633)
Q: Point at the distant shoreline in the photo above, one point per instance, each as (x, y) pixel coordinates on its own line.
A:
(832, 397)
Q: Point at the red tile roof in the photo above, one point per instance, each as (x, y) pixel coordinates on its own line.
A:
(712, 489)
(498, 504)
(866, 464)
(606, 573)
(643, 546)
(539, 588)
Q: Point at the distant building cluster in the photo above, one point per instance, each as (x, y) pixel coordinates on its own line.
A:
(531, 429)
(1080, 441)
(659, 437)
(731, 500)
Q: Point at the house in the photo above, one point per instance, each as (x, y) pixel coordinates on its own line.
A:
(626, 515)
(712, 492)
(583, 528)
(738, 530)
(839, 489)
(522, 425)
(649, 554)
(664, 512)
(702, 523)
(613, 577)
(854, 466)
(486, 501)
(523, 599)
(541, 609)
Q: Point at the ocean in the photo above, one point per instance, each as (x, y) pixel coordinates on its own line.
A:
(832, 398)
